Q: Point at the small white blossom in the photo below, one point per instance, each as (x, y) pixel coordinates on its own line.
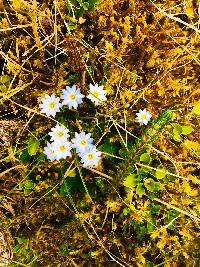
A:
(59, 133)
(82, 141)
(90, 157)
(49, 152)
(50, 105)
(143, 116)
(72, 97)
(96, 94)
(62, 149)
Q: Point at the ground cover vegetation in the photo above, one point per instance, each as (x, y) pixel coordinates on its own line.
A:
(99, 133)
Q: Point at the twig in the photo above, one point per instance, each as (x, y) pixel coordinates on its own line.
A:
(177, 209)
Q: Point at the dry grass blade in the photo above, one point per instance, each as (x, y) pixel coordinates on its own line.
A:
(16, 27)
(176, 19)
(177, 209)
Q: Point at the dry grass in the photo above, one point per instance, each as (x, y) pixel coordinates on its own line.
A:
(147, 54)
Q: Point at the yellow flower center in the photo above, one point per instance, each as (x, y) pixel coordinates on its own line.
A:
(62, 148)
(143, 116)
(52, 104)
(83, 142)
(60, 134)
(90, 156)
(96, 94)
(72, 96)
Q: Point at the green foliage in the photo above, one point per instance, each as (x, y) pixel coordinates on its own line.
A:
(170, 219)
(110, 147)
(78, 7)
(4, 83)
(27, 186)
(196, 108)
(151, 225)
(130, 181)
(60, 213)
(149, 136)
(145, 158)
(24, 155)
(140, 190)
(155, 208)
(179, 130)
(150, 184)
(141, 180)
(63, 249)
(160, 173)
(187, 129)
(70, 185)
(23, 252)
(126, 211)
(33, 146)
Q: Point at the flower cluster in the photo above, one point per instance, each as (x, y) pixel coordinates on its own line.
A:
(71, 97)
(83, 143)
(60, 148)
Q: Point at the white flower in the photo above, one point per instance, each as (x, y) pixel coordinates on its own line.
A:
(82, 141)
(143, 116)
(50, 105)
(96, 94)
(49, 152)
(59, 133)
(90, 157)
(72, 97)
(62, 149)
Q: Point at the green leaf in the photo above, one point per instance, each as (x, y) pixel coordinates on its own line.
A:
(142, 171)
(151, 226)
(80, 2)
(3, 88)
(24, 155)
(177, 128)
(33, 146)
(21, 240)
(63, 249)
(70, 184)
(157, 186)
(28, 184)
(71, 25)
(4, 79)
(126, 211)
(93, 3)
(155, 208)
(187, 129)
(145, 158)
(196, 108)
(140, 190)
(124, 153)
(149, 184)
(174, 116)
(177, 131)
(110, 147)
(149, 264)
(160, 173)
(86, 5)
(130, 181)
(169, 217)
(151, 195)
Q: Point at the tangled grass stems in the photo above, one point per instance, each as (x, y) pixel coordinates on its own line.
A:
(144, 60)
